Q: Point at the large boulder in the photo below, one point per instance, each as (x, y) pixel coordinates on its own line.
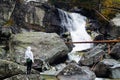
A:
(75, 72)
(115, 71)
(8, 68)
(106, 68)
(93, 56)
(45, 46)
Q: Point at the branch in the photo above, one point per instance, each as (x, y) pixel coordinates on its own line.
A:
(102, 15)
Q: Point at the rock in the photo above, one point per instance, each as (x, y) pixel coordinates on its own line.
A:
(45, 46)
(75, 72)
(114, 30)
(8, 68)
(70, 72)
(53, 21)
(41, 1)
(25, 77)
(67, 38)
(75, 56)
(115, 51)
(93, 56)
(34, 15)
(116, 20)
(22, 13)
(50, 74)
(2, 53)
(5, 32)
(115, 71)
(103, 68)
(6, 8)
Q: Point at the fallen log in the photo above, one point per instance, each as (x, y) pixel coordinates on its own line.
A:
(98, 41)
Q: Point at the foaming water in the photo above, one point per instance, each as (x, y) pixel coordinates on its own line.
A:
(75, 24)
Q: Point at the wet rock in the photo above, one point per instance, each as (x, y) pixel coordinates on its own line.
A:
(115, 51)
(103, 68)
(67, 38)
(115, 71)
(75, 56)
(93, 56)
(45, 46)
(75, 72)
(52, 20)
(8, 68)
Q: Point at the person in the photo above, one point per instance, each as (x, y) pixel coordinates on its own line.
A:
(29, 59)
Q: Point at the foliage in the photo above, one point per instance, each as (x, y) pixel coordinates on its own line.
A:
(107, 7)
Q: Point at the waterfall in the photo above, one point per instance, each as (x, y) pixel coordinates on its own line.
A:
(75, 24)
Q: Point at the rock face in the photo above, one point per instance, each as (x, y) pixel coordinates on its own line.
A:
(22, 13)
(75, 72)
(45, 46)
(34, 15)
(6, 8)
(8, 68)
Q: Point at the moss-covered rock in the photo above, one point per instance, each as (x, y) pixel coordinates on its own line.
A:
(8, 68)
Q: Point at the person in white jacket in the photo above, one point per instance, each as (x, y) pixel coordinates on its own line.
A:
(29, 59)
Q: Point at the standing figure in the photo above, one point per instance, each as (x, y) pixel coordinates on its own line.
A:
(29, 59)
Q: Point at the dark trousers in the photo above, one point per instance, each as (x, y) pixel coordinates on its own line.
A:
(29, 65)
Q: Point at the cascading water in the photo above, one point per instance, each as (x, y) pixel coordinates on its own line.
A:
(75, 24)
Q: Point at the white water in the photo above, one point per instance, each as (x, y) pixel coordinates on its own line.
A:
(75, 24)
